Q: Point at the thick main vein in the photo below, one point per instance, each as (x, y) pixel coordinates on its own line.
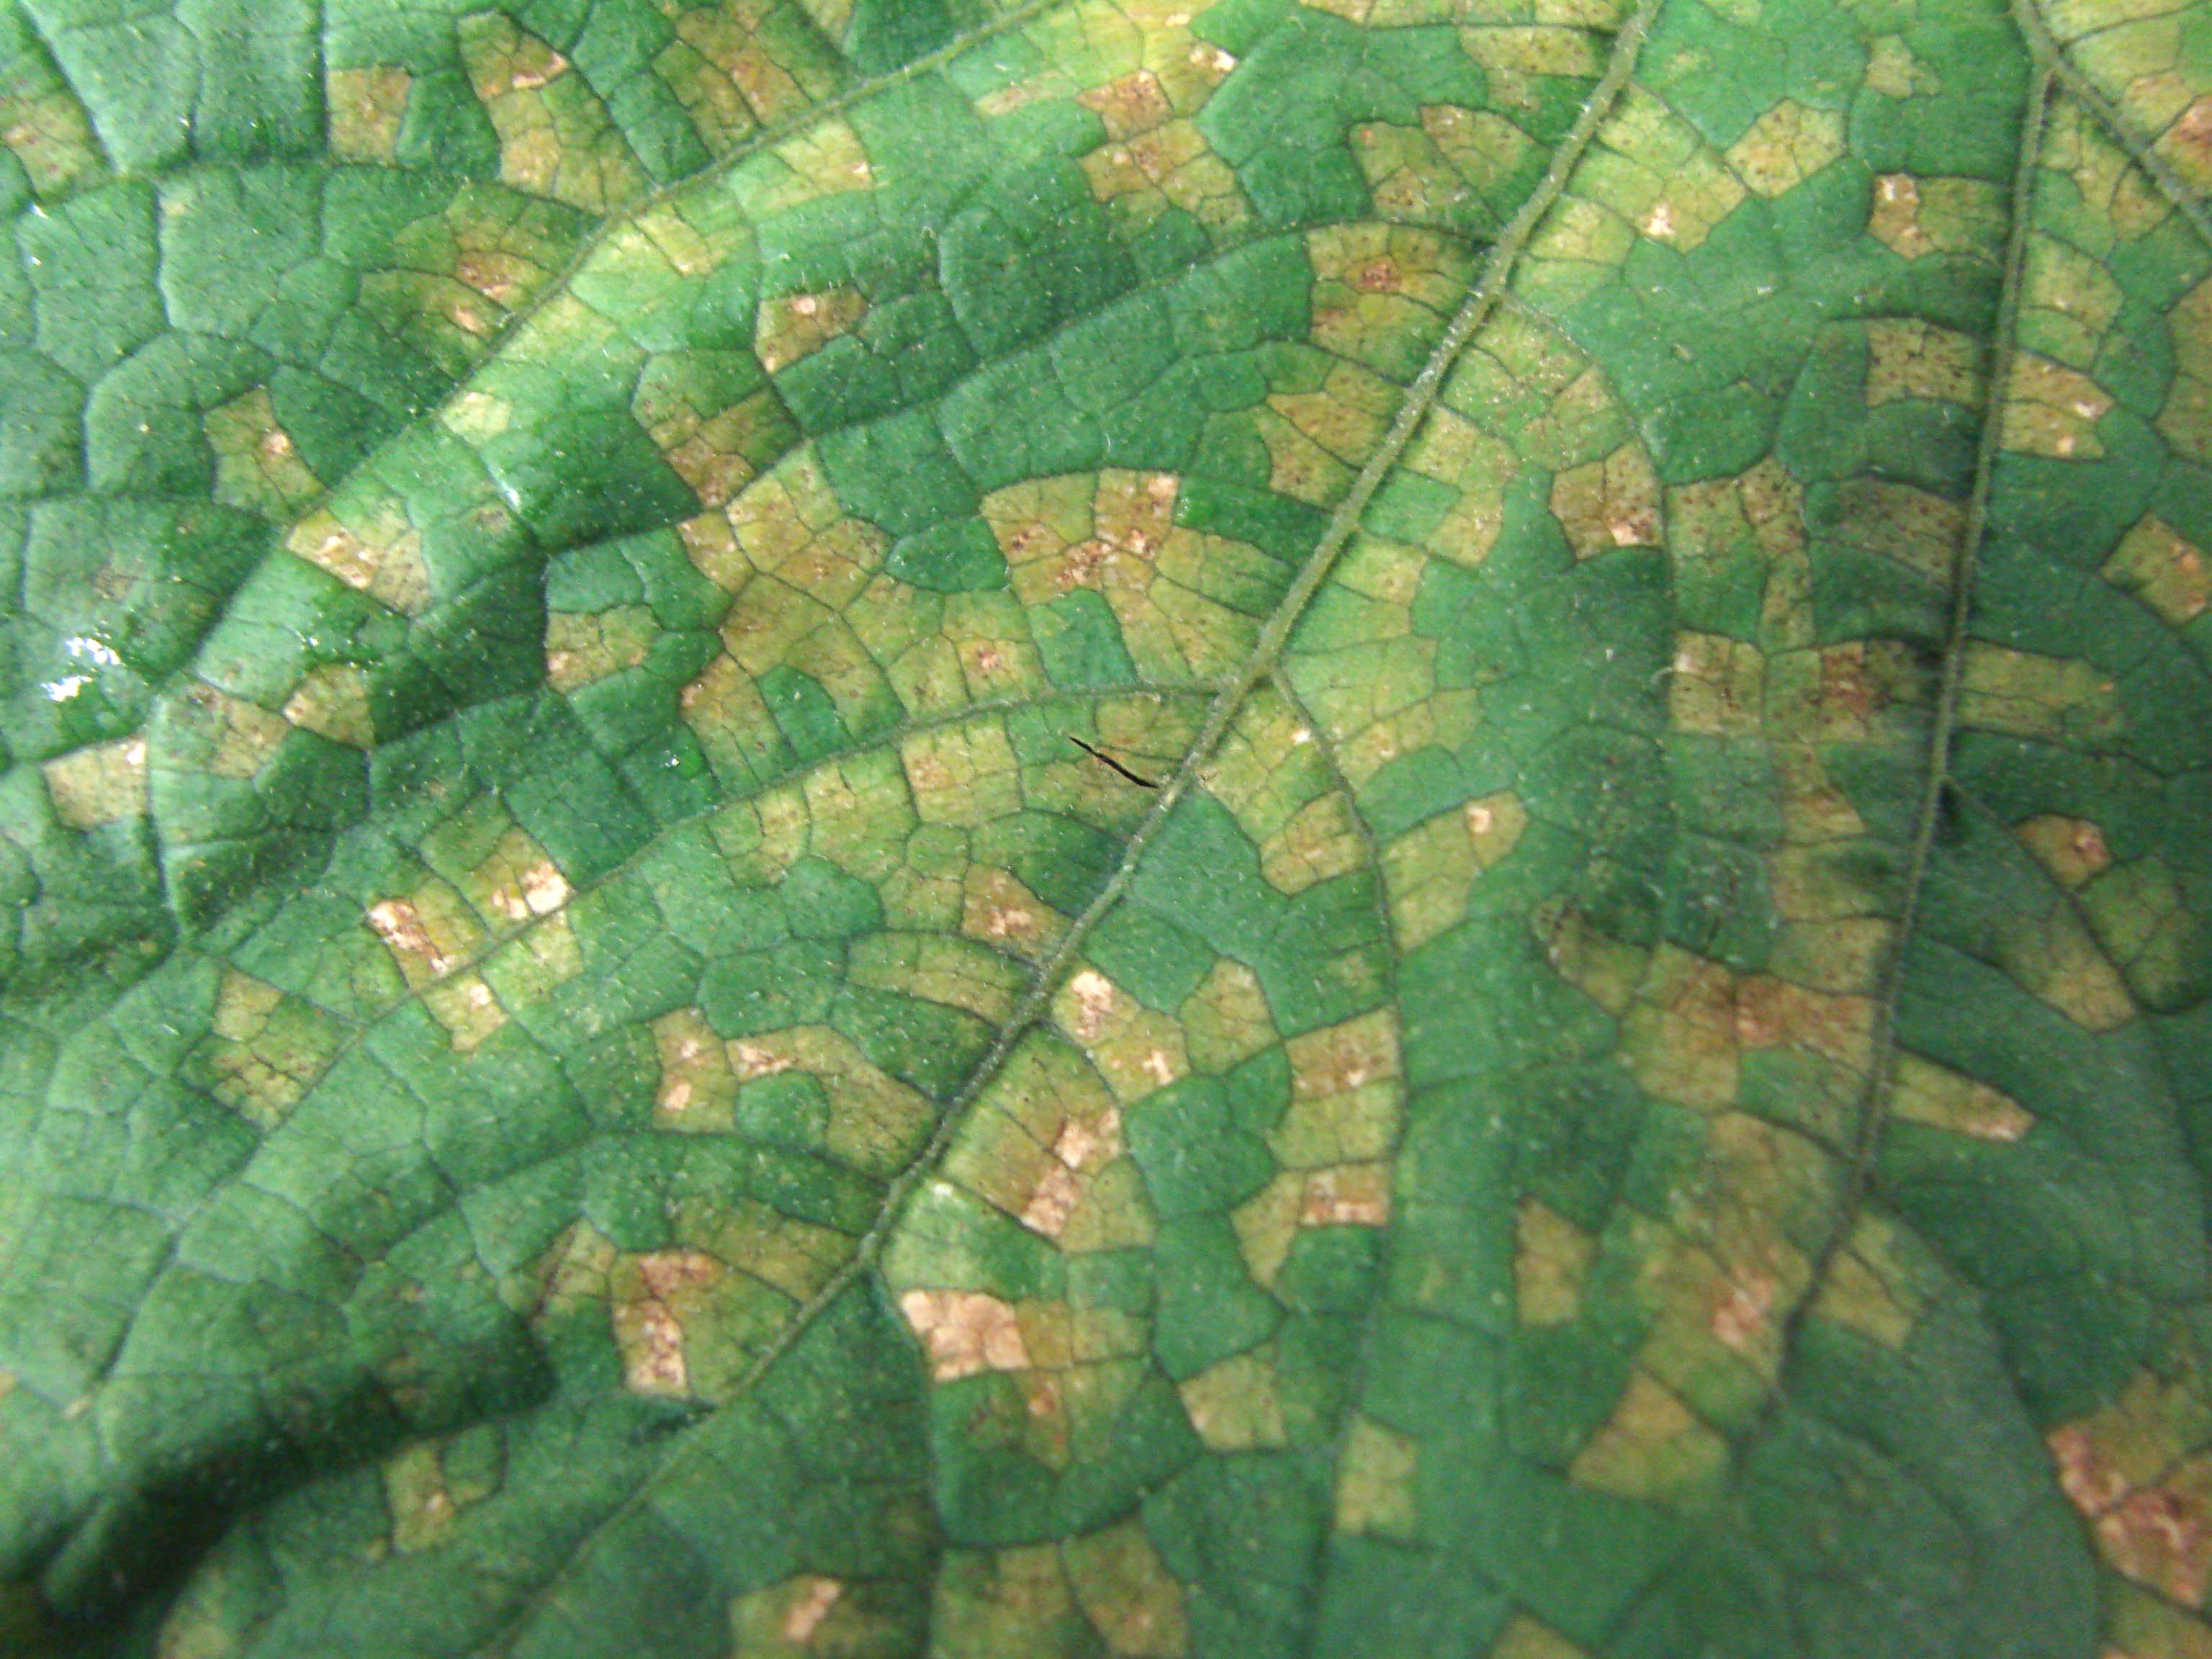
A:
(1473, 312)
(2052, 57)
(1874, 1101)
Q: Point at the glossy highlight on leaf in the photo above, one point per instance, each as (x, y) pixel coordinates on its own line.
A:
(1106, 830)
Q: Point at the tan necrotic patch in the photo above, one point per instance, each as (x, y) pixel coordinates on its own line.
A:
(556, 137)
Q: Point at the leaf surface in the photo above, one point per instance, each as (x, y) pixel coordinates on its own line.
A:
(912, 828)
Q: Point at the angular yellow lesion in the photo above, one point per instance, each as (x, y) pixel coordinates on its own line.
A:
(1909, 358)
(1377, 286)
(809, 1613)
(265, 1048)
(1606, 969)
(332, 701)
(997, 908)
(652, 1298)
(1235, 1404)
(2142, 1624)
(2165, 571)
(2186, 419)
(367, 107)
(256, 466)
(733, 76)
(2023, 694)
(1718, 686)
(372, 547)
(1044, 1147)
(1523, 1638)
(1894, 72)
(1154, 160)
(1608, 504)
(45, 128)
(1429, 871)
(953, 973)
(2143, 921)
(713, 436)
(1320, 840)
(2072, 849)
(428, 932)
(1137, 1050)
(698, 1089)
(795, 325)
(1552, 1259)
(1878, 1282)
(1914, 217)
(1438, 172)
(453, 278)
(2071, 300)
(104, 783)
(1786, 146)
(828, 159)
(964, 774)
(2052, 410)
(1346, 1095)
(966, 1332)
(222, 734)
(556, 137)
(584, 647)
(1226, 1021)
(468, 1008)
(1653, 1448)
(1922, 1091)
(2057, 957)
(429, 1483)
(2139, 1470)
(1375, 1492)
(1126, 1591)
(1651, 175)
(875, 1122)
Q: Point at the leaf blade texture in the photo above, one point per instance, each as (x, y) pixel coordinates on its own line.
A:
(959, 830)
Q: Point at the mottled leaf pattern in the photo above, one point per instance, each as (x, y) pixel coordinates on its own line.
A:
(1106, 830)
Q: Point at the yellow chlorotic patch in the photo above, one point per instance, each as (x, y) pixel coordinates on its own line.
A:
(332, 701)
(1652, 1448)
(1551, 1258)
(379, 553)
(556, 137)
(795, 325)
(1375, 1482)
(1235, 1404)
(1786, 146)
(1921, 1092)
(225, 735)
(2021, 694)
(103, 784)
(1608, 504)
(1915, 217)
(367, 108)
(2166, 572)
(265, 1048)
(1126, 1593)
(256, 466)
(2140, 1472)
(2052, 410)
(828, 159)
(1908, 358)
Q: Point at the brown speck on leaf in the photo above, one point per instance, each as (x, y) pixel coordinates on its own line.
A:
(1377, 276)
(810, 1607)
(399, 924)
(1094, 1004)
(967, 1332)
(1739, 1318)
